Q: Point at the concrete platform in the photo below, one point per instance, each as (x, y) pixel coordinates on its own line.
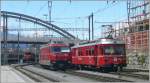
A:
(10, 75)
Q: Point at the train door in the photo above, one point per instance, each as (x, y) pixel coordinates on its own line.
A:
(95, 54)
(100, 56)
(92, 55)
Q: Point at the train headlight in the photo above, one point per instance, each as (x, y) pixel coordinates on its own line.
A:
(53, 62)
(69, 61)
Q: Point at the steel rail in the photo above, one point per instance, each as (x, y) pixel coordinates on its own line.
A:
(31, 74)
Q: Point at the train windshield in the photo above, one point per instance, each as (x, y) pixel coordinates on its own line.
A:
(114, 50)
(27, 53)
(60, 49)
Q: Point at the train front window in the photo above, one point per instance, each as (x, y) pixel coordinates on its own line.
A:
(60, 49)
(56, 49)
(109, 50)
(65, 49)
(119, 50)
(114, 50)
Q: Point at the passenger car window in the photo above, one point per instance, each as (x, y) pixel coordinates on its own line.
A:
(79, 52)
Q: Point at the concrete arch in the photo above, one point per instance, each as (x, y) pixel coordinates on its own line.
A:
(40, 22)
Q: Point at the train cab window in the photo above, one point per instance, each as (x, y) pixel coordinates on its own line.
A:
(114, 50)
(120, 50)
(109, 50)
(55, 49)
(65, 49)
(60, 49)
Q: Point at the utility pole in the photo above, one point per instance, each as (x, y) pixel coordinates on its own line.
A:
(18, 47)
(5, 38)
(91, 26)
(50, 10)
(128, 11)
(36, 46)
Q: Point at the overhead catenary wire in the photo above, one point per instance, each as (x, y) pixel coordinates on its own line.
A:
(26, 6)
(98, 11)
(103, 9)
(40, 9)
(65, 18)
(85, 17)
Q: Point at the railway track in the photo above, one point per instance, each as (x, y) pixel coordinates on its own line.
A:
(134, 70)
(129, 73)
(144, 77)
(57, 76)
(37, 77)
(94, 77)
(99, 78)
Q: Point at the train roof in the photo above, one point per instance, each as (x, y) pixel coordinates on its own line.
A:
(99, 41)
(48, 45)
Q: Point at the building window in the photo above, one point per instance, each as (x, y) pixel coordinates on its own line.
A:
(140, 28)
(146, 27)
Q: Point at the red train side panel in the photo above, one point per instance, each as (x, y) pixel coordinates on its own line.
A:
(103, 53)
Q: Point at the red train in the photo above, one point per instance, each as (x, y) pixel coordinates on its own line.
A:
(55, 55)
(100, 54)
(28, 57)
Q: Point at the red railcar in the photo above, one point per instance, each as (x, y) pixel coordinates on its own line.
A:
(100, 54)
(55, 55)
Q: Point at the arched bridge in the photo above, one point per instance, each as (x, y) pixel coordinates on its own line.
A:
(40, 22)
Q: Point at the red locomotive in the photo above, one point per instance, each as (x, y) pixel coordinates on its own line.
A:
(54, 55)
(100, 54)
(28, 57)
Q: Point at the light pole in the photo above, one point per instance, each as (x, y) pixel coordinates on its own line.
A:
(36, 45)
(18, 48)
(91, 23)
